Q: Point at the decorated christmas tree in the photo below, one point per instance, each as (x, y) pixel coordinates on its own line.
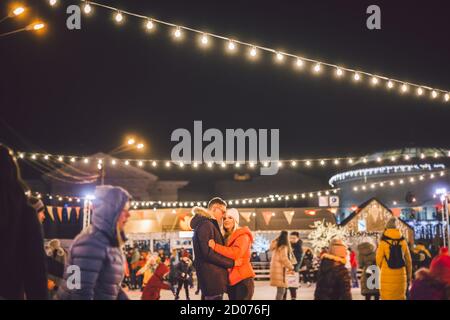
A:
(323, 233)
(261, 244)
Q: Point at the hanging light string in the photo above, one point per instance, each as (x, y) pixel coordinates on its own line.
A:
(299, 61)
(153, 163)
(401, 181)
(264, 200)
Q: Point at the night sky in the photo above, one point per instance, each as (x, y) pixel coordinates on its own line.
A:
(80, 92)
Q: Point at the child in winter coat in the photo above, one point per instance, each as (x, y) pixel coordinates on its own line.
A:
(156, 283)
(184, 272)
(433, 283)
(333, 279)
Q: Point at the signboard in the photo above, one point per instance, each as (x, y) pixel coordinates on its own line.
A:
(334, 201)
(362, 225)
(323, 201)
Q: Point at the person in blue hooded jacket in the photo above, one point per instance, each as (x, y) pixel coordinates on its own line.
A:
(97, 250)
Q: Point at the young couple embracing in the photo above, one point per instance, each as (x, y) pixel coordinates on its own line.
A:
(222, 252)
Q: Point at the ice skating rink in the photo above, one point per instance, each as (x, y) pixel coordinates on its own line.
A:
(263, 291)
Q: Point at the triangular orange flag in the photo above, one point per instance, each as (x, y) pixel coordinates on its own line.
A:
(246, 215)
(77, 210)
(69, 210)
(59, 209)
(50, 212)
(289, 216)
(267, 215)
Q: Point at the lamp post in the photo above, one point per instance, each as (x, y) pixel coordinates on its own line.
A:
(15, 12)
(32, 27)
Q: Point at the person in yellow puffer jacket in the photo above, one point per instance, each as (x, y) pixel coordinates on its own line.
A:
(393, 282)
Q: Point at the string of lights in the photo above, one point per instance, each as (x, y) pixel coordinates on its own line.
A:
(253, 51)
(167, 164)
(262, 200)
(400, 181)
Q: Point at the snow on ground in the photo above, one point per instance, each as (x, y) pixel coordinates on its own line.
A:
(263, 291)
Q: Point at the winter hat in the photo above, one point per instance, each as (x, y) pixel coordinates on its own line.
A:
(234, 213)
(338, 248)
(440, 268)
(392, 223)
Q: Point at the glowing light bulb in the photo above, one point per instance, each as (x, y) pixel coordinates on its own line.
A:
(350, 161)
(308, 163)
(46, 157)
(422, 156)
(38, 26)
(149, 25)
(336, 162)
(131, 141)
(154, 164)
(317, 68)
(446, 97)
(127, 163)
(279, 56)
(18, 11)
(294, 163)
(237, 165)
(167, 164)
(375, 81)
(231, 45)
(140, 163)
(404, 88)
(52, 2)
(419, 91)
(339, 72)
(280, 164)
(434, 94)
(177, 33)
(223, 165)
(118, 17)
(209, 165)
(113, 162)
(60, 158)
(253, 52)
(392, 159)
(204, 39)
(86, 160)
(33, 157)
(390, 84)
(356, 76)
(72, 159)
(322, 162)
(299, 63)
(87, 8)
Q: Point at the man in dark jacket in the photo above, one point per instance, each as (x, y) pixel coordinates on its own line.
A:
(97, 250)
(211, 267)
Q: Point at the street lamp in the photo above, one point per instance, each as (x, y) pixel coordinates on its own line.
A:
(15, 12)
(35, 27)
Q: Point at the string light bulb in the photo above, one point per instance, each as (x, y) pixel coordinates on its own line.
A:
(356, 76)
(53, 2)
(177, 33)
(317, 68)
(87, 8)
(339, 72)
(204, 39)
(404, 88)
(446, 97)
(375, 81)
(299, 63)
(118, 17)
(434, 94)
(253, 52)
(231, 45)
(390, 84)
(279, 57)
(149, 25)
(419, 91)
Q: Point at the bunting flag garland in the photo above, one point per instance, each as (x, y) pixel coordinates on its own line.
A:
(69, 211)
(267, 215)
(246, 215)
(289, 215)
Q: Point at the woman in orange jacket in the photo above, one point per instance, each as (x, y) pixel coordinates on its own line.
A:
(239, 242)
